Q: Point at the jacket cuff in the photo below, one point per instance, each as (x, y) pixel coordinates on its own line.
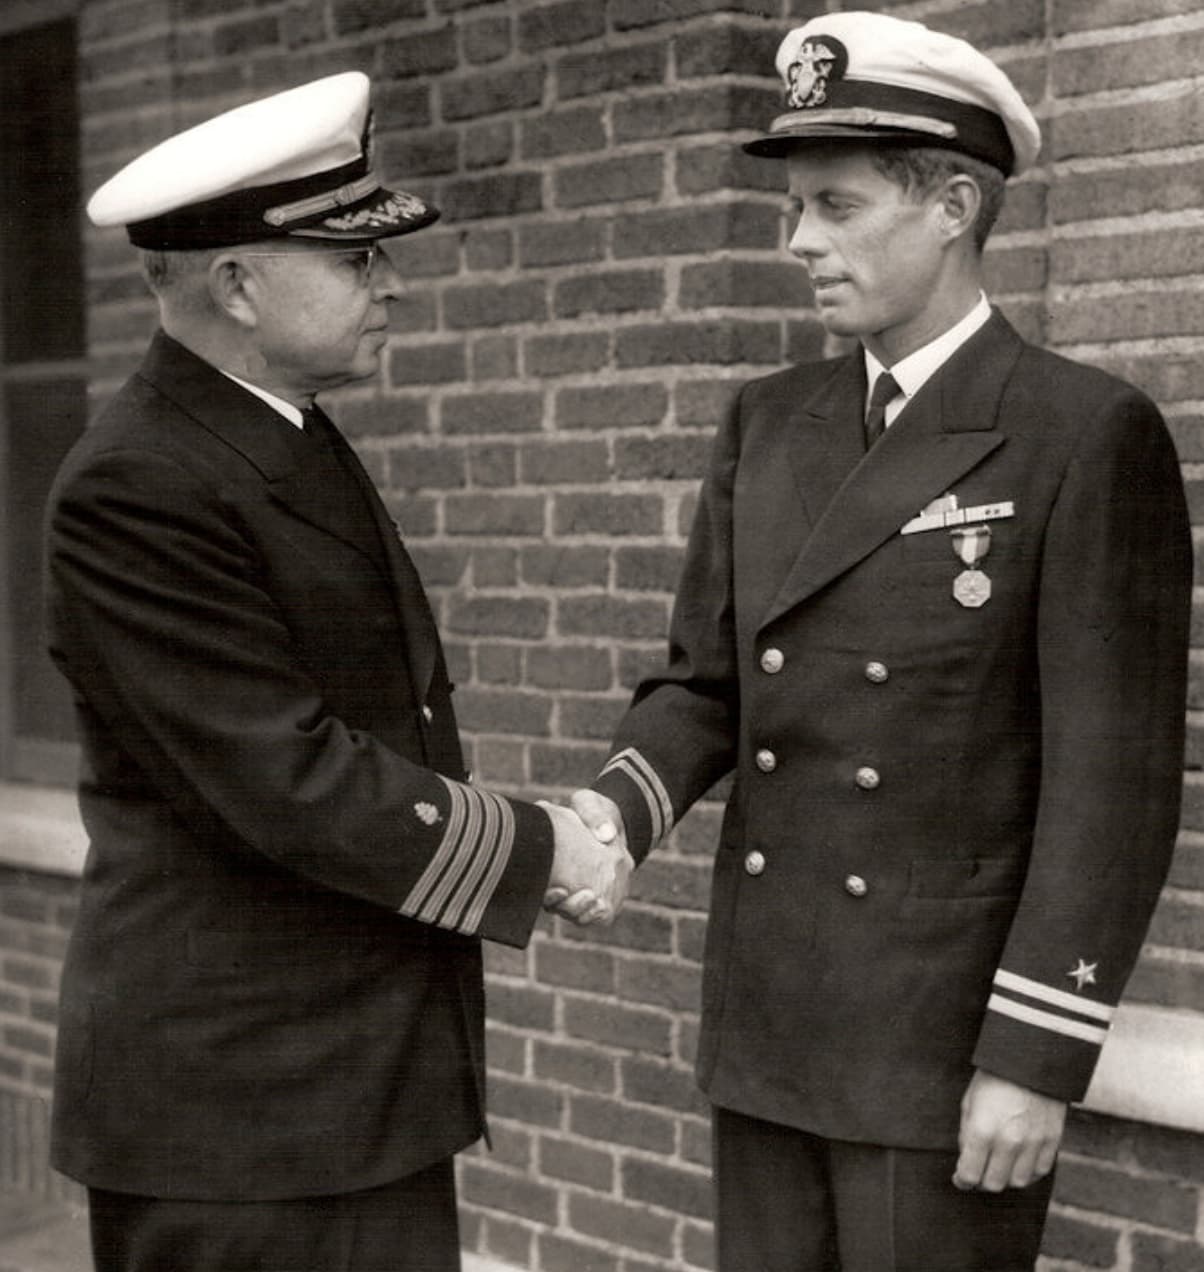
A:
(1042, 1037)
(634, 785)
(490, 872)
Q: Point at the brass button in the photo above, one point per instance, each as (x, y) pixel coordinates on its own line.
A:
(877, 673)
(754, 863)
(856, 886)
(772, 661)
(867, 778)
(766, 760)
(427, 714)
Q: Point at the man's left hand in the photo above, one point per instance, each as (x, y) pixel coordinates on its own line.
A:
(1009, 1134)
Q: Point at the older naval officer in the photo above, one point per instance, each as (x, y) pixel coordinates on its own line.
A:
(934, 614)
(271, 1029)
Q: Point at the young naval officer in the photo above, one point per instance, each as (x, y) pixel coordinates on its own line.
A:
(271, 1031)
(946, 661)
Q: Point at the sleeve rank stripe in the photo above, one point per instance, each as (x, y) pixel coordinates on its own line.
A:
(1047, 1020)
(1054, 997)
(660, 807)
(468, 905)
(477, 842)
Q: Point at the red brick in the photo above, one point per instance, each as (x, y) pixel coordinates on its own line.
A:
(779, 285)
(502, 1190)
(683, 884)
(701, 229)
(617, 1026)
(419, 53)
(498, 194)
(1016, 269)
(605, 70)
(660, 983)
(442, 362)
(665, 1086)
(622, 405)
(1161, 1203)
(494, 357)
(565, 566)
(493, 464)
(1154, 60)
(501, 760)
(496, 664)
(575, 967)
(1159, 253)
(438, 257)
(682, 1191)
(698, 1245)
(491, 92)
(565, 767)
(592, 718)
(512, 1241)
(651, 569)
(691, 938)
(679, 112)
(488, 248)
(521, 1006)
(492, 413)
(605, 513)
(488, 144)
(612, 180)
(494, 304)
(574, 242)
(1135, 315)
(351, 16)
(561, 1254)
(34, 1042)
(559, 24)
(583, 1067)
(486, 39)
(704, 403)
(498, 711)
(609, 616)
(1086, 15)
(622, 1223)
(710, 168)
(573, 666)
(576, 1163)
(613, 1122)
(1176, 120)
(1090, 1245)
(576, 462)
(1164, 186)
(422, 153)
(1153, 1252)
(612, 291)
(571, 353)
(626, 14)
(987, 24)
(521, 617)
(725, 49)
(1179, 923)
(563, 132)
(681, 343)
(494, 514)
(1187, 866)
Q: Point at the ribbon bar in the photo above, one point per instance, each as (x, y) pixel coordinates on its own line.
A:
(959, 516)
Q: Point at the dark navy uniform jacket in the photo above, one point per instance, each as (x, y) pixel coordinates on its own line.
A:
(949, 824)
(273, 987)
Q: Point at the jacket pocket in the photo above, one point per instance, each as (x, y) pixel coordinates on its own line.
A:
(968, 878)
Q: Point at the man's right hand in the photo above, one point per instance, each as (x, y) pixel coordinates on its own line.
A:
(591, 867)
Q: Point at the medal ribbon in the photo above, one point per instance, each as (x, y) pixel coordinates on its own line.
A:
(971, 543)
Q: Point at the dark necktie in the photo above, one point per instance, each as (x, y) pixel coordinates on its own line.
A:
(885, 390)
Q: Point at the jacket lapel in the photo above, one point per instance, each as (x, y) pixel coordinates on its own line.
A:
(945, 431)
(284, 455)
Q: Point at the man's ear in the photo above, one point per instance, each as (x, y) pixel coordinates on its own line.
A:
(959, 204)
(235, 289)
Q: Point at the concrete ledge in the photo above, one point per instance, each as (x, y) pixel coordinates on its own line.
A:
(40, 829)
(1152, 1068)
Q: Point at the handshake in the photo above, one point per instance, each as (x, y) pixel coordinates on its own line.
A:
(591, 866)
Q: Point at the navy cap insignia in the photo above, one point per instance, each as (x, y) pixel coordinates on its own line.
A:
(819, 60)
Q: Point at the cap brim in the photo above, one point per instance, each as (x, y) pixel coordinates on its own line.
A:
(779, 144)
(383, 214)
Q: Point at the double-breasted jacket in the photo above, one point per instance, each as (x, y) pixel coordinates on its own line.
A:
(952, 812)
(273, 987)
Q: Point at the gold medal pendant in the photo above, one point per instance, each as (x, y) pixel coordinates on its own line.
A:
(971, 588)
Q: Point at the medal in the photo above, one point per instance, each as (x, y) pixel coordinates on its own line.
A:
(971, 588)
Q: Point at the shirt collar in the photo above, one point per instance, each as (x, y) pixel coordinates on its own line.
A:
(912, 372)
(287, 409)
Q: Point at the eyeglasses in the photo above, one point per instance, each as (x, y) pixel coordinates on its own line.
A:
(362, 258)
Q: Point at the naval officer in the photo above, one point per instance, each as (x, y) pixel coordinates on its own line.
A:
(933, 613)
(271, 1028)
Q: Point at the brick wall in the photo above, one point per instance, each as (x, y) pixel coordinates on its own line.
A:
(608, 269)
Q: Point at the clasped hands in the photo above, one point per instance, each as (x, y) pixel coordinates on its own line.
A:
(591, 867)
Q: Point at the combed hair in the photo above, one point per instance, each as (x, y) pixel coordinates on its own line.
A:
(920, 169)
(175, 274)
